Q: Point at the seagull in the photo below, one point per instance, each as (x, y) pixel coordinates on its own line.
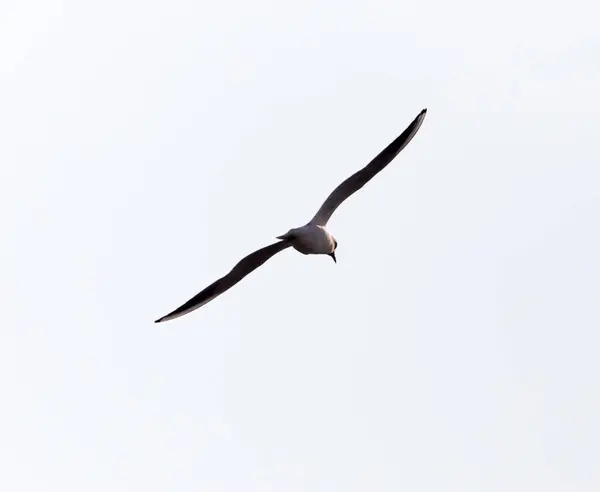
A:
(310, 239)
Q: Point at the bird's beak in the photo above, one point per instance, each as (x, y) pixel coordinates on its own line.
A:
(333, 256)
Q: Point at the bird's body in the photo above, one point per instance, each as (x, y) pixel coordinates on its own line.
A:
(310, 239)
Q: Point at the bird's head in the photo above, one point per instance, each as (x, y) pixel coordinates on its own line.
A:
(332, 254)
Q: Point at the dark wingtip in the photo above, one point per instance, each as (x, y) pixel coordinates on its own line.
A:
(424, 111)
(159, 320)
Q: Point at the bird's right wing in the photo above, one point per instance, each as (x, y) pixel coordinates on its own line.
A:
(243, 268)
(362, 177)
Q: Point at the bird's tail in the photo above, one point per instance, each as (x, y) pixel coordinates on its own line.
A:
(288, 236)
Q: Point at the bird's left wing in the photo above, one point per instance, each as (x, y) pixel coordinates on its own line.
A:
(238, 272)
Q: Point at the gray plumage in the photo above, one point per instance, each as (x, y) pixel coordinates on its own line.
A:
(311, 238)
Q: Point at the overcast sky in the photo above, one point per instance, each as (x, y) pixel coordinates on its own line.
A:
(147, 146)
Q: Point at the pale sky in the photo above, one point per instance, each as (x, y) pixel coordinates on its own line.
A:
(148, 146)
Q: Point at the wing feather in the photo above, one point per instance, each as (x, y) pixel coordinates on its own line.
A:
(362, 177)
(237, 273)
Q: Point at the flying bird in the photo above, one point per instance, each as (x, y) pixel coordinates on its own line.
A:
(310, 239)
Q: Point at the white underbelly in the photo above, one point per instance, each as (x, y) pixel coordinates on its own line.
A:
(312, 240)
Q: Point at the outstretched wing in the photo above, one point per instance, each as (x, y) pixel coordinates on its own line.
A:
(362, 177)
(238, 272)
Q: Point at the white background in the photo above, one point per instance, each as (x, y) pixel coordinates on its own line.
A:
(145, 147)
